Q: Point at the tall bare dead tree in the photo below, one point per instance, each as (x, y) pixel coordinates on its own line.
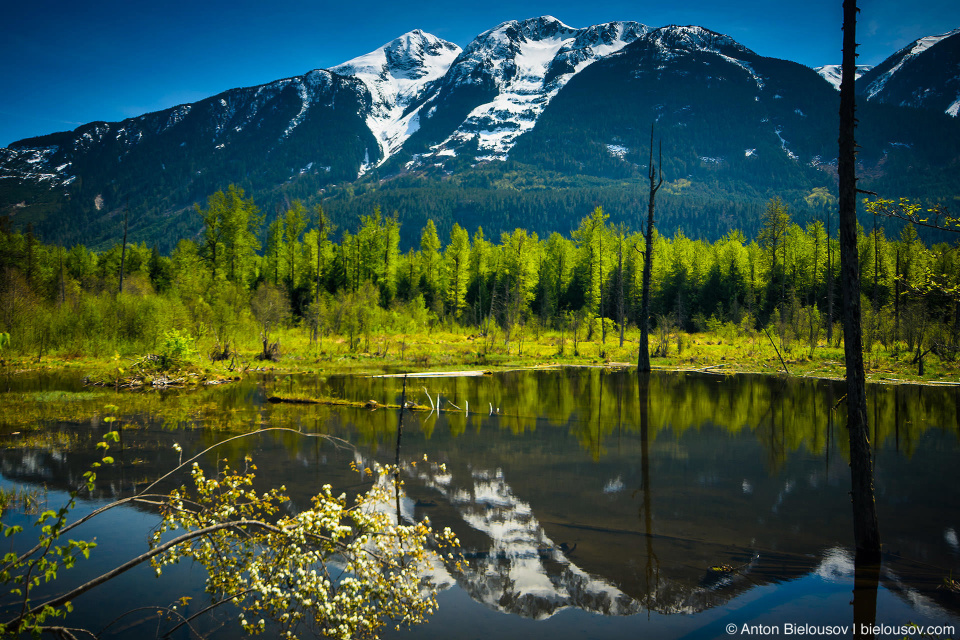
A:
(829, 283)
(621, 305)
(123, 250)
(643, 360)
(866, 529)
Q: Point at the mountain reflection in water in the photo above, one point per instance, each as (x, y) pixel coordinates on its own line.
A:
(598, 492)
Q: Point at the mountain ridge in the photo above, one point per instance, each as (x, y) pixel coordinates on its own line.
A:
(913, 75)
(497, 115)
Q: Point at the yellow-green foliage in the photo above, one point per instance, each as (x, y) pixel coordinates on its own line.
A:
(473, 301)
(270, 566)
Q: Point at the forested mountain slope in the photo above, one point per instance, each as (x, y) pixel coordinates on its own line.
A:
(531, 125)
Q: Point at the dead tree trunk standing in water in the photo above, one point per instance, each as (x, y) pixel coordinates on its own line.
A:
(866, 530)
(123, 250)
(643, 360)
(652, 569)
(396, 476)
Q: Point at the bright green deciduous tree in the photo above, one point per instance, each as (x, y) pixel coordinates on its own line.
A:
(456, 263)
(295, 222)
(590, 244)
(274, 250)
(230, 225)
(430, 263)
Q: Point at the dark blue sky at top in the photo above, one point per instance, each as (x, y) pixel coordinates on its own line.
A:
(68, 63)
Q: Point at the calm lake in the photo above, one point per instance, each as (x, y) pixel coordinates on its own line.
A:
(590, 503)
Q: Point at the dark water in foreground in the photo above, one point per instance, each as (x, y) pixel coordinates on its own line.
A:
(590, 506)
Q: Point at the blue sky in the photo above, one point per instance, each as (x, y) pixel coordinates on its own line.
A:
(68, 63)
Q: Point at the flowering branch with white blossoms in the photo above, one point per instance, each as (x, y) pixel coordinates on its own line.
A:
(343, 571)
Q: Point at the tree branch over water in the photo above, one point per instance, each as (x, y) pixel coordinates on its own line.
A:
(269, 566)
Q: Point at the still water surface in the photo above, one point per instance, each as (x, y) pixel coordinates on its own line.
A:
(590, 503)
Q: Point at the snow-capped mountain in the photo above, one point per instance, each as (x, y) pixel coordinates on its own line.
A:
(925, 73)
(833, 73)
(268, 116)
(691, 82)
(396, 75)
(257, 137)
(501, 83)
(572, 104)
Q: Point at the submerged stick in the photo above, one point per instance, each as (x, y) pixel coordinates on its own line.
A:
(429, 398)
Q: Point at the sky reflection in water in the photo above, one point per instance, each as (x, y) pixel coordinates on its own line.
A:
(581, 513)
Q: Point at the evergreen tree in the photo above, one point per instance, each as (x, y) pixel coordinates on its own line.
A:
(322, 244)
(773, 240)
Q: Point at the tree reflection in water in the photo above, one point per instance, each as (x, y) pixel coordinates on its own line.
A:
(600, 491)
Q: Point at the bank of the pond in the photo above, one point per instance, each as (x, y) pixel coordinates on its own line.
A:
(439, 351)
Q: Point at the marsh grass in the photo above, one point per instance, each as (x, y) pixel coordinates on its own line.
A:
(448, 347)
(28, 501)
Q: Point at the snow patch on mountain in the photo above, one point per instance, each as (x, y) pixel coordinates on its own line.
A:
(906, 55)
(304, 107)
(618, 150)
(673, 40)
(310, 87)
(833, 73)
(746, 67)
(783, 143)
(34, 165)
(954, 108)
(177, 114)
(397, 75)
(527, 63)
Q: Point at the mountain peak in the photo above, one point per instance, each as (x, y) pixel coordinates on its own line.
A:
(508, 34)
(694, 38)
(833, 73)
(397, 74)
(536, 28)
(914, 77)
(520, 66)
(413, 55)
(544, 26)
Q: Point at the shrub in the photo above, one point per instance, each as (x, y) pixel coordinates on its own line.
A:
(176, 350)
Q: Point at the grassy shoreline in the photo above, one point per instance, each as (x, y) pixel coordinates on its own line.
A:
(450, 350)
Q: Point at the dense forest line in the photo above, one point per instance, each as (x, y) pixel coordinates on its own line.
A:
(247, 276)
